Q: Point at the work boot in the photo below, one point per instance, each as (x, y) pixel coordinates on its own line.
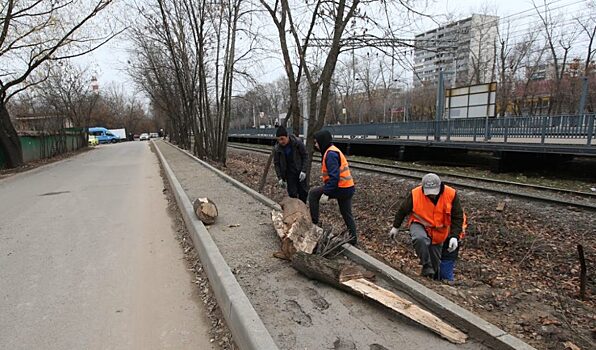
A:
(427, 271)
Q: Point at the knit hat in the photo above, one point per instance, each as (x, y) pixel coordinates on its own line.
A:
(431, 184)
(281, 131)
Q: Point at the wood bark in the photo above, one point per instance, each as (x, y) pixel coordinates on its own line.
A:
(10, 143)
(583, 272)
(328, 271)
(205, 210)
(295, 228)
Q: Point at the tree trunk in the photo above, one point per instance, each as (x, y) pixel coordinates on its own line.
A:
(10, 143)
(322, 269)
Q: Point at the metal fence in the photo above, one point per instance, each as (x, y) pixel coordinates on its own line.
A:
(580, 128)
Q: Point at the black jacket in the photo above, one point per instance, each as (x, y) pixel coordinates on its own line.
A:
(299, 156)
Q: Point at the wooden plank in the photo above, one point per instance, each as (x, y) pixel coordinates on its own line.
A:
(406, 308)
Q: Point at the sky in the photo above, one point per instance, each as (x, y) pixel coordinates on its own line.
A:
(110, 61)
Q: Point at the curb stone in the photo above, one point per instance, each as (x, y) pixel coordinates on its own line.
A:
(477, 327)
(246, 326)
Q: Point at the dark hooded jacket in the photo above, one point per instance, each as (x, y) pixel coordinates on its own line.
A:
(333, 163)
(298, 161)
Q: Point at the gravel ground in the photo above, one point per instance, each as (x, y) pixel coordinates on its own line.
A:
(299, 313)
(518, 268)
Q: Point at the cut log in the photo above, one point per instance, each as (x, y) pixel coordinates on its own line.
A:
(406, 308)
(205, 210)
(328, 271)
(295, 228)
(356, 281)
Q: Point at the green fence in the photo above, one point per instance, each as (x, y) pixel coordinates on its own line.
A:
(39, 146)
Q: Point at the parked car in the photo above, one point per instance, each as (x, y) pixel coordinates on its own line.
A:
(144, 137)
(103, 135)
(153, 135)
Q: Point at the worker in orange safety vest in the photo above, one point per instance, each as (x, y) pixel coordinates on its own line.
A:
(338, 183)
(436, 218)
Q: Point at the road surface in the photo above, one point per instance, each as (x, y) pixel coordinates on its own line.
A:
(89, 259)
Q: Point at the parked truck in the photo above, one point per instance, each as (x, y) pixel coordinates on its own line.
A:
(120, 134)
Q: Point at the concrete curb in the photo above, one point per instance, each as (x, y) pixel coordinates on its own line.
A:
(476, 327)
(246, 326)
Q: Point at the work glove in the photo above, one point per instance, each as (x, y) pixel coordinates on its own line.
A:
(393, 233)
(281, 183)
(302, 176)
(324, 199)
(452, 245)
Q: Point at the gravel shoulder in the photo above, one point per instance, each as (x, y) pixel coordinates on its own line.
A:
(299, 313)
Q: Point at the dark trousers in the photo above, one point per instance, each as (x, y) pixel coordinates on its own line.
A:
(428, 253)
(345, 208)
(296, 189)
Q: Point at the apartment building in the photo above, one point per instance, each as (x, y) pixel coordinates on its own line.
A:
(463, 49)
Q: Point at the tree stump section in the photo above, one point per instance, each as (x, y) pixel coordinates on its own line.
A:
(295, 228)
(205, 210)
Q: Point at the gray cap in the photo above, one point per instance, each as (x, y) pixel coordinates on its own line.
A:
(431, 184)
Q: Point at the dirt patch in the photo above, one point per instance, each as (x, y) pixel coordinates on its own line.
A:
(518, 268)
(219, 332)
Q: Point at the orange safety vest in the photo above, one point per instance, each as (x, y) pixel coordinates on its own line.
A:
(436, 219)
(345, 177)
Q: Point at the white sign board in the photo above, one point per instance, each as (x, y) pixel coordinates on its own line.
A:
(475, 101)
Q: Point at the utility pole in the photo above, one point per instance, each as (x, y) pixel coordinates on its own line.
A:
(440, 105)
(582, 100)
(305, 113)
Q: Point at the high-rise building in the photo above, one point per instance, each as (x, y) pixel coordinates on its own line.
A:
(463, 49)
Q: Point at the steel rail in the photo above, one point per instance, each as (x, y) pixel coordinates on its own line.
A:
(463, 181)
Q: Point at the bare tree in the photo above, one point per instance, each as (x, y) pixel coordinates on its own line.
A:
(187, 61)
(33, 33)
(588, 27)
(510, 58)
(68, 92)
(559, 44)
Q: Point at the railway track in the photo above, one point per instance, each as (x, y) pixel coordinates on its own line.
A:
(547, 194)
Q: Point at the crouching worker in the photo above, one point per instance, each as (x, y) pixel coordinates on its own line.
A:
(338, 183)
(436, 218)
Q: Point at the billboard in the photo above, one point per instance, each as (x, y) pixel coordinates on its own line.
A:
(474, 101)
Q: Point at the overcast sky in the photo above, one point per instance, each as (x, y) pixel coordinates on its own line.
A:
(110, 61)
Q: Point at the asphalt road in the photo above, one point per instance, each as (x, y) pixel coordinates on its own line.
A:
(89, 259)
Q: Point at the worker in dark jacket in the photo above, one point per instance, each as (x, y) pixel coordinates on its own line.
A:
(436, 218)
(290, 160)
(338, 183)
